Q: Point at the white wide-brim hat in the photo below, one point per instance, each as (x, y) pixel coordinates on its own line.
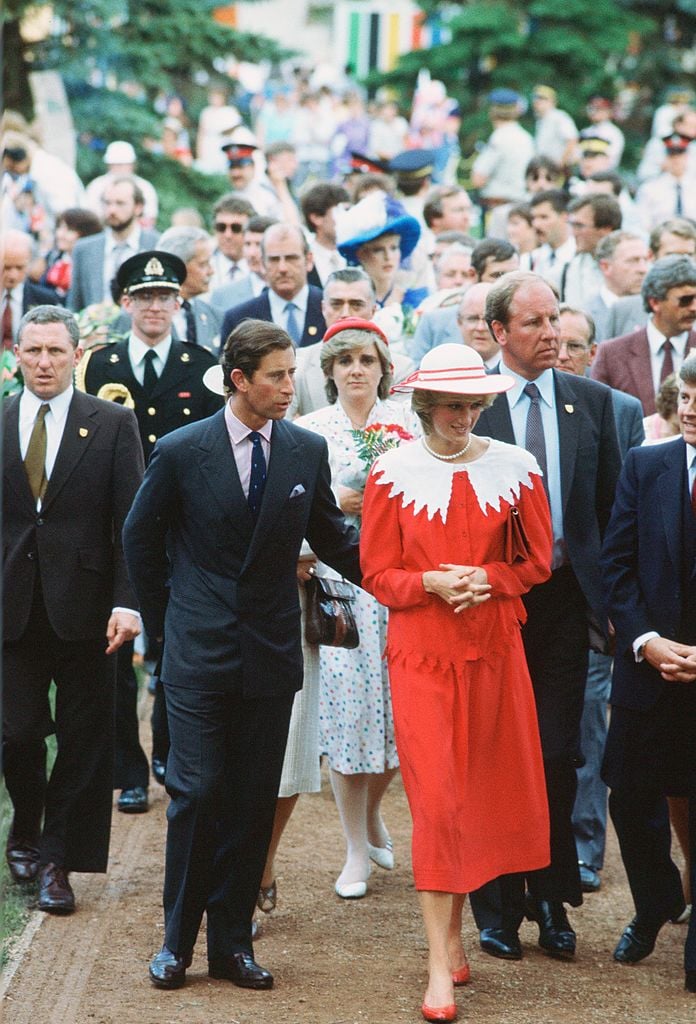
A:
(455, 370)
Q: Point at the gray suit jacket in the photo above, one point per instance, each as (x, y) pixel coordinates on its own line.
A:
(599, 311)
(228, 295)
(435, 328)
(628, 413)
(208, 324)
(625, 316)
(87, 285)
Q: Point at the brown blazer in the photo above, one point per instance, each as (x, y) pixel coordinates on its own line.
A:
(624, 363)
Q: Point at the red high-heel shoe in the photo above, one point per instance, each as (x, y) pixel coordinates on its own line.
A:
(462, 976)
(439, 1013)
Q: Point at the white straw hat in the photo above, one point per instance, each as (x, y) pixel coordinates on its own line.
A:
(456, 370)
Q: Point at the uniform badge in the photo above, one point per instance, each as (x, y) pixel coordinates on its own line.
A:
(83, 431)
(185, 357)
(184, 394)
(312, 330)
(569, 408)
(154, 268)
(113, 358)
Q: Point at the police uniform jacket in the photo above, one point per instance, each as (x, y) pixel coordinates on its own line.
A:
(179, 397)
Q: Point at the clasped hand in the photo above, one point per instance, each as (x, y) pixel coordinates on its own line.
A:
(674, 661)
(460, 586)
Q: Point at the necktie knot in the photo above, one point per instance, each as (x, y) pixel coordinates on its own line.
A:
(532, 391)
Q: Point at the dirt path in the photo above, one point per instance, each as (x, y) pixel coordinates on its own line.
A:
(335, 962)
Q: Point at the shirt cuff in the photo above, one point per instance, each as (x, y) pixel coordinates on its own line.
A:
(129, 611)
(640, 641)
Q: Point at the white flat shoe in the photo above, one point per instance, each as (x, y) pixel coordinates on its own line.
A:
(383, 856)
(351, 890)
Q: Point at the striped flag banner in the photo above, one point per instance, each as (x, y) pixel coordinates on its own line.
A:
(370, 36)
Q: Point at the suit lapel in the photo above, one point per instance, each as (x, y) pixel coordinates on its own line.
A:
(283, 469)
(81, 426)
(568, 431)
(15, 473)
(496, 421)
(217, 464)
(671, 496)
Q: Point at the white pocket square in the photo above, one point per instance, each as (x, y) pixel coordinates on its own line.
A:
(297, 490)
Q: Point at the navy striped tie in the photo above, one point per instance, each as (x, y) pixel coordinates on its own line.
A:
(534, 440)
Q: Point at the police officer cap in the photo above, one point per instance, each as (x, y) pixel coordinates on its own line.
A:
(152, 269)
(504, 98)
(676, 143)
(413, 163)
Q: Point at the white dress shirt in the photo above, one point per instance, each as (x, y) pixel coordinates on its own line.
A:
(279, 315)
(132, 248)
(137, 351)
(655, 343)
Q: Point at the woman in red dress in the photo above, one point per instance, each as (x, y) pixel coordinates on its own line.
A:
(455, 529)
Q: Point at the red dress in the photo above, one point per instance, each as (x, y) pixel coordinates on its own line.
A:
(464, 713)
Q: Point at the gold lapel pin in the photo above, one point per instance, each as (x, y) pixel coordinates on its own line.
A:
(312, 330)
(185, 357)
(113, 358)
(84, 431)
(569, 408)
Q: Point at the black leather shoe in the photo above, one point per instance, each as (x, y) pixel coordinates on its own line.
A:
(159, 769)
(242, 969)
(133, 801)
(501, 942)
(22, 859)
(55, 892)
(556, 937)
(589, 878)
(167, 970)
(690, 981)
(637, 942)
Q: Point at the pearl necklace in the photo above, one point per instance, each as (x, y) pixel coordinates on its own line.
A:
(447, 458)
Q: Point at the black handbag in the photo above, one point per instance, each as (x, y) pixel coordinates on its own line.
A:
(329, 618)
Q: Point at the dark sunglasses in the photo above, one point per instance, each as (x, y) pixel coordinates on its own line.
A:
(236, 229)
(685, 300)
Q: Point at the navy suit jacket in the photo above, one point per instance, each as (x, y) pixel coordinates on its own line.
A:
(643, 563)
(219, 586)
(37, 295)
(260, 309)
(590, 464)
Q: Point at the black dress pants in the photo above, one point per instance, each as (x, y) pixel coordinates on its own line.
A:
(76, 801)
(223, 774)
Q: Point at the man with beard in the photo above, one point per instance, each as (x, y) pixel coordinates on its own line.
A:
(96, 260)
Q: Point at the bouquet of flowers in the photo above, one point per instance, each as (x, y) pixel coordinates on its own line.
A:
(378, 438)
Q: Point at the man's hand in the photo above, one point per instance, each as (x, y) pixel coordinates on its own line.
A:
(121, 627)
(674, 661)
(305, 567)
(461, 586)
(350, 501)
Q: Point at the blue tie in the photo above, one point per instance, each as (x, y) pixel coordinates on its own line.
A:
(293, 327)
(535, 442)
(257, 480)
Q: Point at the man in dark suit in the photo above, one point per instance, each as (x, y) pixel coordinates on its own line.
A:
(19, 294)
(229, 500)
(639, 362)
(72, 465)
(96, 259)
(288, 301)
(169, 395)
(578, 349)
(648, 560)
(568, 423)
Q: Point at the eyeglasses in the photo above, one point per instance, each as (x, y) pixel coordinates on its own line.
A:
(574, 348)
(472, 320)
(145, 299)
(236, 229)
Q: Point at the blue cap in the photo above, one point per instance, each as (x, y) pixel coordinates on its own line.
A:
(504, 98)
